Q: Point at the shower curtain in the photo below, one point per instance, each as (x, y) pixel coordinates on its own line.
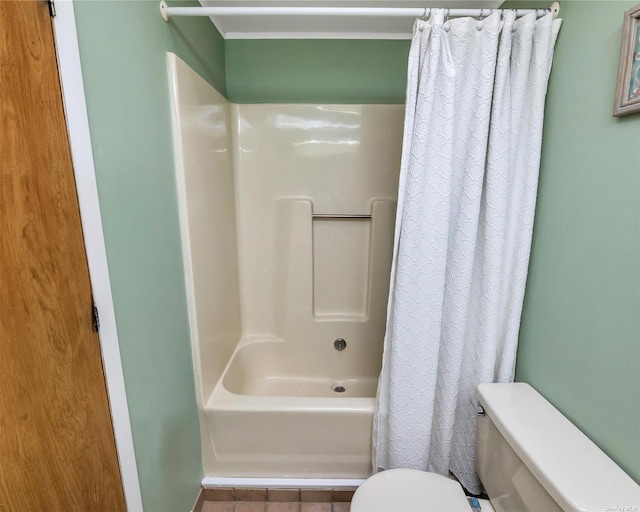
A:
(471, 153)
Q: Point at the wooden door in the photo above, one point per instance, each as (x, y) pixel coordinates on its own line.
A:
(57, 450)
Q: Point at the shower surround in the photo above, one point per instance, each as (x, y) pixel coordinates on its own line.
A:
(287, 218)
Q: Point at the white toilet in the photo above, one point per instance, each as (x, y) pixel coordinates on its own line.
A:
(529, 457)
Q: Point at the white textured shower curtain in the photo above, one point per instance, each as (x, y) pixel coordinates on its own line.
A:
(471, 153)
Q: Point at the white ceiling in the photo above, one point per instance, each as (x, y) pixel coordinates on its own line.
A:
(326, 27)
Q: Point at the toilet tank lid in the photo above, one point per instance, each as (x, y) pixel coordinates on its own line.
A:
(577, 474)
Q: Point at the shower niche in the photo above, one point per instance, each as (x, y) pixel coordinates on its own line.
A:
(341, 273)
(287, 218)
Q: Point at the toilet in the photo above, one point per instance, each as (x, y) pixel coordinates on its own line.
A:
(529, 458)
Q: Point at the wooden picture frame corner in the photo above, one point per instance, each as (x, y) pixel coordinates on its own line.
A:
(623, 105)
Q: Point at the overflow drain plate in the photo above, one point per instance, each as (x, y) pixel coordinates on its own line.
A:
(339, 344)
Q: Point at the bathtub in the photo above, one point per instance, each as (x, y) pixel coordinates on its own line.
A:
(287, 215)
(278, 412)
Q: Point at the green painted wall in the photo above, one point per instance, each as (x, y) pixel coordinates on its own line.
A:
(319, 71)
(122, 46)
(580, 333)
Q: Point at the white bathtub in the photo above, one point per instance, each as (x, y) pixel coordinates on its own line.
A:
(274, 413)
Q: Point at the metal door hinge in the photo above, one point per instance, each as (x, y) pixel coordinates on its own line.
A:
(52, 8)
(95, 318)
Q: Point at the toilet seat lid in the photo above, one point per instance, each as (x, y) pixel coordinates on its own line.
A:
(409, 490)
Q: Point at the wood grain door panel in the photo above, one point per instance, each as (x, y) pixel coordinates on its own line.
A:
(57, 449)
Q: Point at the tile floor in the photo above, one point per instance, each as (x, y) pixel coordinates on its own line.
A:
(274, 506)
(275, 500)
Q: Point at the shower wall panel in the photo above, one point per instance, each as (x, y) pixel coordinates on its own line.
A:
(306, 278)
(204, 171)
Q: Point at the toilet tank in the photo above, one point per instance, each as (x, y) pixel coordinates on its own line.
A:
(530, 458)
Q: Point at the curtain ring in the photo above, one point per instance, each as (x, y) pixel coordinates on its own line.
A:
(423, 18)
(480, 23)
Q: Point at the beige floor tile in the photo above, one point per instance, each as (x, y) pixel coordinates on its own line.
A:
(316, 507)
(315, 496)
(250, 506)
(291, 495)
(341, 506)
(282, 507)
(217, 506)
(343, 495)
(251, 495)
(218, 494)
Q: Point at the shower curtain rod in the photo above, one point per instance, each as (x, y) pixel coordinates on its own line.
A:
(399, 12)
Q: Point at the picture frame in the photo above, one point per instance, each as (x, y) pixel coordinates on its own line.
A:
(628, 85)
